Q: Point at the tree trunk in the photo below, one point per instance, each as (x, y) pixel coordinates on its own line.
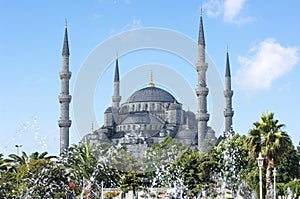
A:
(88, 190)
(268, 180)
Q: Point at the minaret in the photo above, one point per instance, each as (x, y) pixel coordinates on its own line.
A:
(64, 121)
(228, 93)
(116, 98)
(202, 90)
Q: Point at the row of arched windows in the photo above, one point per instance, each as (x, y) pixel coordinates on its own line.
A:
(138, 107)
(128, 127)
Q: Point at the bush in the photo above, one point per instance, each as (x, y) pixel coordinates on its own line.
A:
(112, 194)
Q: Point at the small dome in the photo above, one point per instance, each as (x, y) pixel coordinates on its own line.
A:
(174, 106)
(108, 110)
(211, 134)
(151, 94)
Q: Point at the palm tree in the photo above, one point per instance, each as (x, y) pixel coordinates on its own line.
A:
(39, 156)
(268, 138)
(18, 160)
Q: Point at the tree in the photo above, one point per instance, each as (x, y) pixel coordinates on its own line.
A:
(288, 167)
(232, 158)
(195, 169)
(25, 175)
(86, 170)
(158, 160)
(43, 178)
(268, 137)
(131, 181)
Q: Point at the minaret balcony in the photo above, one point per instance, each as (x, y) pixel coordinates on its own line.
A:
(228, 93)
(63, 98)
(202, 116)
(202, 91)
(200, 66)
(64, 123)
(65, 74)
(228, 113)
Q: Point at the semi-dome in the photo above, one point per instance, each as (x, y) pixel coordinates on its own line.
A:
(151, 94)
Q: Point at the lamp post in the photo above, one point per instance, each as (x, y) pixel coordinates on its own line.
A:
(260, 162)
(102, 195)
(18, 146)
(274, 173)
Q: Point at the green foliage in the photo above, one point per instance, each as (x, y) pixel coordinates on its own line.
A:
(195, 169)
(124, 161)
(231, 157)
(268, 138)
(43, 177)
(288, 166)
(112, 194)
(283, 189)
(158, 161)
(36, 175)
(131, 181)
(280, 189)
(81, 170)
(86, 171)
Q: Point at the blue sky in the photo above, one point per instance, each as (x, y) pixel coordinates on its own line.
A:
(263, 40)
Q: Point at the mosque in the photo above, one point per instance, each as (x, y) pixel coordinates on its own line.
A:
(150, 114)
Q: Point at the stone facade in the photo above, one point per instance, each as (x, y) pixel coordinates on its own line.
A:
(228, 93)
(64, 98)
(152, 114)
(147, 117)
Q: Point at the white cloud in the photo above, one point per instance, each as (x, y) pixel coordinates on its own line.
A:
(230, 10)
(267, 62)
(214, 8)
(134, 24)
(122, 1)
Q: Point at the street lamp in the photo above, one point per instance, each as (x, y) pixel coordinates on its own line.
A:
(18, 146)
(102, 196)
(274, 173)
(260, 162)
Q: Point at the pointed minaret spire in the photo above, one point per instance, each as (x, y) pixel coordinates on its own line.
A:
(116, 98)
(117, 78)
(202, 90)
(228, 93)
(64, 121)
(65, 51)
(227, 73)
(201, 39)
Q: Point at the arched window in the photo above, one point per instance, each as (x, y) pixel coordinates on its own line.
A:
(152, 107)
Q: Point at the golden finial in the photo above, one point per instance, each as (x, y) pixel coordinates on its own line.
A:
(227, 49)
(66, 24)
(151, 84)
(187, 124)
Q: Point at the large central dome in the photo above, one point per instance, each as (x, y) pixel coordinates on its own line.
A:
(151, 94)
